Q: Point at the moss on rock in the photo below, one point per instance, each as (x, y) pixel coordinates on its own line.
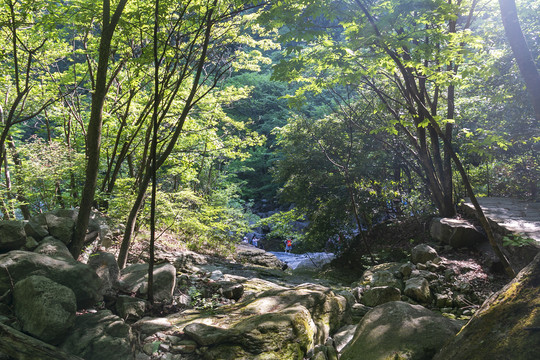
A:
(279, 323)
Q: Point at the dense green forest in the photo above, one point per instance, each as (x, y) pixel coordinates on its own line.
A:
(339, 114)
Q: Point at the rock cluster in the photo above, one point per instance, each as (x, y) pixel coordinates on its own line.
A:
(43, 290)
(210, 309)
(426, 280)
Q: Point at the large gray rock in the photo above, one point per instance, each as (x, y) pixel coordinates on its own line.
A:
(130, 308)
(398, 330)
(36, 227)
(60, 227)
(417, 288)
(455, 232)
(134, 279)
(328, 310)
(12, 235)
(380, 295)
(82, 279)
(251, 255)
(206, 335)
(423, 253)
(367, 276)
(107, 269)
(55, 248)
(386, 278)
(45, 309)
(287, 334)
(189, 260)
(147, 325)
(99, 336)
(279, 323)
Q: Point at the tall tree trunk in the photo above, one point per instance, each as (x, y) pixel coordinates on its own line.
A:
(94, 126)
(479, 212)
(6, 212)
(524, 58)
(358, 222)
(153, 156)
(132, 221)
(23, 203)
(145, 176)
(447, 181)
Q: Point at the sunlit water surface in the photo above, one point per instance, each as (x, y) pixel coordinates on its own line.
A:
(308, 260)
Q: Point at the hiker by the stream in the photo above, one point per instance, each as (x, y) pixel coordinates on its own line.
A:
(288, 245)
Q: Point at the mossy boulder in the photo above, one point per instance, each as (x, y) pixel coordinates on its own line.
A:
(328, 310)
(80, 278)
(368, 275)
(99, 336)
(398, 330)
(12, 235)
(507, 326)
(134, 279)
(423, 253)
(45, 308)
(277, 336)
(380, 295)
(248, 254)
(279, 323)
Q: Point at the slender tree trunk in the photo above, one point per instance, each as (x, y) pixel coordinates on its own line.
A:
(132, 221)
(479, 212)
(153, 156)
(524, 58)
(447, 180)
(23, 202)
(5, 210)
(58, 194)
(94, 126)
(359, 223)
(73, 186)
(145, 176)
(118, 157)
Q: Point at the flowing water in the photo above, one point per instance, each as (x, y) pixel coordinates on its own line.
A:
(307, 260)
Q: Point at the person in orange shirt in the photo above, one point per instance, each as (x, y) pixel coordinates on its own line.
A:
(288, 245)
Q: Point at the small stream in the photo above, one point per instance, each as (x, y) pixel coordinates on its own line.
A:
(306, 260)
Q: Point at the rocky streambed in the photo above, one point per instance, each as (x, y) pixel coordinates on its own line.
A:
(245, 307)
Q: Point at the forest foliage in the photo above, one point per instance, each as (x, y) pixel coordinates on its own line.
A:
(335, 113)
